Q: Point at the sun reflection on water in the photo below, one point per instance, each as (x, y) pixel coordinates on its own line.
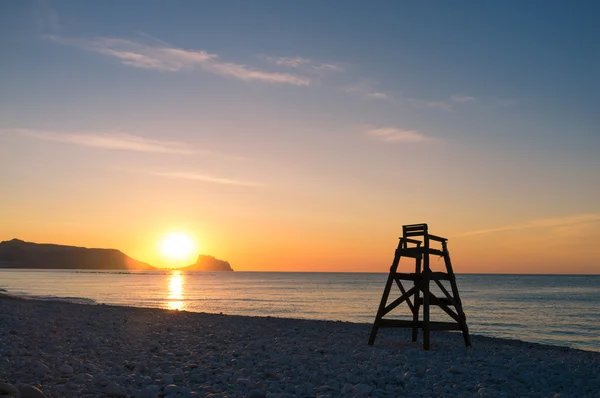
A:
(175, 297)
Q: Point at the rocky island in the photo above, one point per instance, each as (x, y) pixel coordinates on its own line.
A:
(208, 264)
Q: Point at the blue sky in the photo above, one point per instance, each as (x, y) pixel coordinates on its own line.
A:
(299, 114)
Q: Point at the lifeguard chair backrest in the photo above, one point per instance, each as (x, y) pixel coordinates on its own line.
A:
(414, 230)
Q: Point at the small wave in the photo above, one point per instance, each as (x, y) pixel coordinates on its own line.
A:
(65, 299)
(158, 272)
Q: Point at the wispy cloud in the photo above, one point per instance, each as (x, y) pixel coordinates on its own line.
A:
(114, 141)
(444, 105)
(379, 95)
(207, 178)
(542, 223)
(290, 62)
(158, 55)
(462, 98)
(304, 64)
(390, 134)
(329, 67)
(365, 89)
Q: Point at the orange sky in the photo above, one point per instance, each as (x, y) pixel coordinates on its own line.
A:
(561, 245)
(308, 148)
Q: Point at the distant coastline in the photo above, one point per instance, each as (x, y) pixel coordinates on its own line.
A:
(19, 254)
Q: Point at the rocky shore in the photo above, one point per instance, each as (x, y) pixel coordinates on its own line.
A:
(57, 349)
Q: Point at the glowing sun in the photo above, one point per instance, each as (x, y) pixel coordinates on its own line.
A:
(177, 246)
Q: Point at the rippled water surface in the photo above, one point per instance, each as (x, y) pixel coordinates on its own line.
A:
(551, 309)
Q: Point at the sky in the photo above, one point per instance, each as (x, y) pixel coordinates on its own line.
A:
(302, 135)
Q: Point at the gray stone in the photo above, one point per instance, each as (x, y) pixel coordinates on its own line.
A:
(171, 389)
(347, 389)
(362, 389)
(40, 370)
(66, 370)
(256, 393)
(31, 392)
(112, 389)
(8, 389)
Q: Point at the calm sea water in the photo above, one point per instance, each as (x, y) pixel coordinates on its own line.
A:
(552, 309)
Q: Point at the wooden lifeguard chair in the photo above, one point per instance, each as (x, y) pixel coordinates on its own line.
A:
(420, 250)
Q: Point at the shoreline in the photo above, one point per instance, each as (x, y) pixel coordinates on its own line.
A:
(87, 301)
(81, 350)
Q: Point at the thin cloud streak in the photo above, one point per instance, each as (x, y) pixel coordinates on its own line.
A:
(207, 178)
(291, 62)
(390, 134)
(365, 89)
(303, 63)
(165, 58)
(379, 95)
(462, 98)
(444, 105)
(542, 223)
(113, 141)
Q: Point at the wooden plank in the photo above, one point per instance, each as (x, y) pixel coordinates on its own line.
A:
(415, 329)
(413, 252)
(415, 277)
(410, 305)
(437, 301)
(437, 238)
(416, 242)
(397, 323)
(440, 276)
(443, 289)
(412, 227)
(401, 323)
(436, 252)
(384, 297)
(405, 276)
(414, 233)
(399, 300)
(426, 295)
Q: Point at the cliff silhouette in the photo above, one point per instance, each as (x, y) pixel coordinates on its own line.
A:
(16, 253)
(208, 263)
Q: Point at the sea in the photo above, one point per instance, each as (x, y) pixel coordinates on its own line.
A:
(561, 310)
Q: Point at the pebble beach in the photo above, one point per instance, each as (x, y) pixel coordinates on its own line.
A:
(58, 349)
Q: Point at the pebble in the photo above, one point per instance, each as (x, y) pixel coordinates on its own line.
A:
(66, 370)
(171, 389)
(149, 353)
(8, 389)
(31, 392)
(41, 370)
(114, 390)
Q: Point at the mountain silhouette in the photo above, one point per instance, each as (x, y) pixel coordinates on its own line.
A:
(16, 253)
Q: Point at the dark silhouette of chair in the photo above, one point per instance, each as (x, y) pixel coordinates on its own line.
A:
(420, 249)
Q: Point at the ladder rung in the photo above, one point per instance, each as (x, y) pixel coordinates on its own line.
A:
(415, 277)
(408, 276)
(436, 252)
(416, 252)
(440, 276)
(436, 301)
(400, 323)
